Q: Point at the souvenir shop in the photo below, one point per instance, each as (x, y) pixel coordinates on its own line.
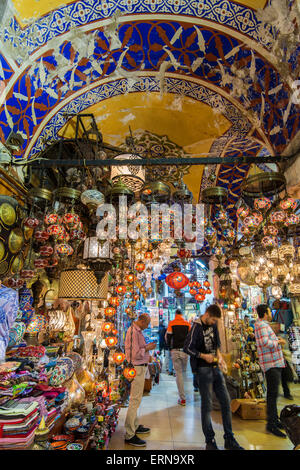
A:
(149, 161)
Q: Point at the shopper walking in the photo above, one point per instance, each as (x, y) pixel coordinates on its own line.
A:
(272, 363)
(161, 335)
(137, 353)
(177, 332)
(203, 345)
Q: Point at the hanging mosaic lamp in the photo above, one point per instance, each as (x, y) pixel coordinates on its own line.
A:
(52, 219)
(210, 233)
(291, 219)
(111, 341)
(55, 230)
(140, 266)
(129, 373)
(107, 327)
(40, 263)
(114, 301)
(206, 283)
(120, 290)
(229, 234)
(262, 204)
(177, 280)
(27, 273)
(31, 222)
(148, 255)
(246, 231)
(243, 212)
(46, 250)
(288, 204)
(222, 217)
(118, 358)
(278, 218)
(64, 249)
(41, 235)
(270, 230)
(130, 278)
(109, 311)
(269, 242)
(71, 220)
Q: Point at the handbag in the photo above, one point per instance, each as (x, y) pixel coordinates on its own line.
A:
(290, 419)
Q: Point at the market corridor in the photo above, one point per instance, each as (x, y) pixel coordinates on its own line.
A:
(179, 428)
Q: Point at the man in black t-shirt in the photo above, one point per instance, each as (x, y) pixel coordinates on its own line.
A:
(203, 345)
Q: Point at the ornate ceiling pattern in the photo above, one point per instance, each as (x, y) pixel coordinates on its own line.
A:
(88, 53)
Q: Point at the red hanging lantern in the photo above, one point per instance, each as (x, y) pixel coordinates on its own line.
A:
(193, 291)
(46, 250)
(27, 273)
(51, 219)
(114, 301)
(71, 220)
(198, 284)
(201, 291)
(111, 341)
(129, 373)
(140, 266)
(110, 311)
(148, 255)
(107, 327)
(200, 297)
(31, 222)
(121, 289)
(118, 358)
(208, 291)
(130, 278)
(40, 263)
(206, 283)
(177, 280)
(114, 332)
(41, 235)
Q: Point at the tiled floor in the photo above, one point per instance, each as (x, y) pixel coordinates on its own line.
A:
(176, 427)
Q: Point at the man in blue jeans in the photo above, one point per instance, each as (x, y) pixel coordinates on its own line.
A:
(203, 345)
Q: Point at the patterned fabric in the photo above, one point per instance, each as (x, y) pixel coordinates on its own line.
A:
(269, 351)
(8, 312)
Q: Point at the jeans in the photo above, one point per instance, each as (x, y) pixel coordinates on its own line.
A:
(211, 379)
(273, 378)
(180, 360)
(195, 383)
(170, 362)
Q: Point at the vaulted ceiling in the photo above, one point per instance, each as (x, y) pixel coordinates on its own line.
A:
(208, 77)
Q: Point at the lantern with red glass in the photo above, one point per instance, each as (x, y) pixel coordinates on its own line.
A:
(118, 358)
(114, 301)
(177, 280)
(110, 311)
(140, 266)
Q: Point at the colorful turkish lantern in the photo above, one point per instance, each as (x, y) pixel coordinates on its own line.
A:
(118, 358)
(288, 204)
(243, 212)
(269, 242)
(114, 332)
(130, 278)
(76, 234)
(46, 250)
(193, 291)
(177, 280)
(148, 255)
(140, 266)
(55, 230)
(40, 263)
(129, 373)
(110, 311)
(51, 219)
(262, 204)
(278, 218)
(31, 222)
(246, 231)
(71, 220)
(229, 233)
(208, 292)
(206, 283)
(199, 297)
(114, 301)
(270, 230)
(27, 273)
(222, 217)
(41, 235)
(111, 341)
(64, 249)
(210, 233)
(292, 219)
(107, 327)
(120, 289)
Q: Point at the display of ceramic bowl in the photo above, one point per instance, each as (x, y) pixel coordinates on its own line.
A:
(75, 446)
(62, 372)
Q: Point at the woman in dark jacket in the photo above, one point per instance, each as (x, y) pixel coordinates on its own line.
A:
(161, 333)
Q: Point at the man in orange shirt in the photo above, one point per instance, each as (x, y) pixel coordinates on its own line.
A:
(177, 332)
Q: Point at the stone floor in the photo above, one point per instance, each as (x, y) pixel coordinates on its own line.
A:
(176, 427)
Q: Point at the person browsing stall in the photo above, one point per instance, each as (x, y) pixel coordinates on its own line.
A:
(177, 332)
(271, 361)
(137, 353)
(203, 345)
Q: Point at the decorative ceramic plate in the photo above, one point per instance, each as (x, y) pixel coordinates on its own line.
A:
(75, 446)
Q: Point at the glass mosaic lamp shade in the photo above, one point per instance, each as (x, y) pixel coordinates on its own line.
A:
(82, 284)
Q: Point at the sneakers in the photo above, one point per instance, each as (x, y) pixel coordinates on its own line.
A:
(142, 430)
(288, 396)
(212, 445)
(276, 431)
(136, 442)
(181, 402)
(232, 444)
